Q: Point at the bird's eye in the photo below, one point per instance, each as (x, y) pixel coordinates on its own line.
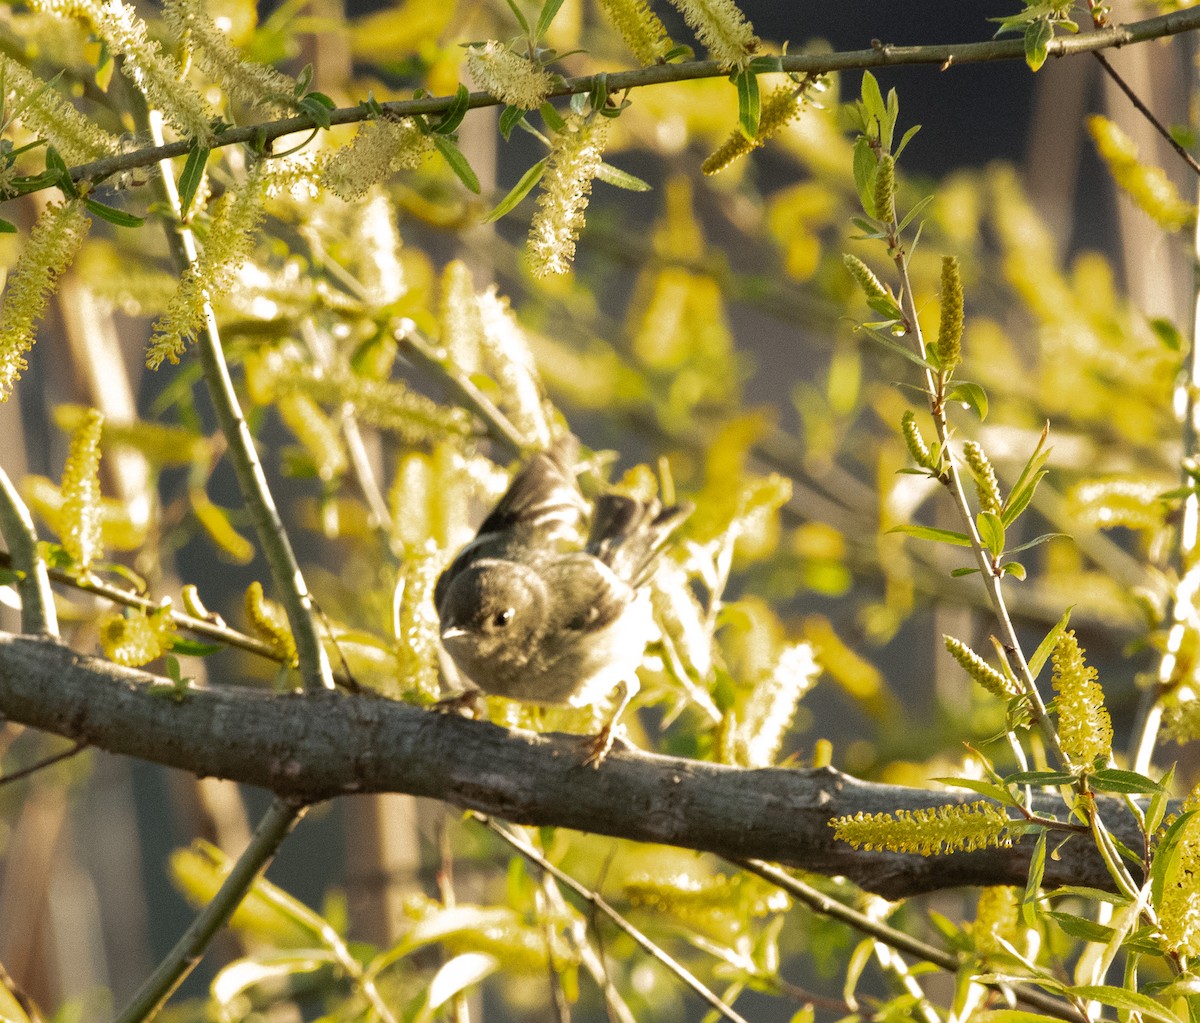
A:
(501, 618)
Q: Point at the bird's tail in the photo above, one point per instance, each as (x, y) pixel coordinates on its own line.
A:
(543, 495)
(628, 534)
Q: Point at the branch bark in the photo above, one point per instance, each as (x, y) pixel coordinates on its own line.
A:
(318, 745)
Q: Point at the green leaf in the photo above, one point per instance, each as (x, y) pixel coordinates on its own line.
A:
(1031, 475)
(1037, 38)
(985, 788)
(1037, 867)
(461, 972)
(895, 346)
(190, 178)
(1158, 805)
(458, 162)
(914, 212)
(194, 647)
(1164, 854)
(678, 52)
(1047, 645)
(1091, 894)
(766, 64)
(933, 533)
(991, 532)
(1127, 1001)
(618, 178)
(1036, 541)
(1167, 333)
(455, 112)
(112, 214)
(1010, 1016)
(872, 98)
(317, 105)
(545, 16)
(509, 119)
(958, 573)
(7, 228)
(748, 102)
(57, 166)
(905, 140)
(1013, 568)
(1039, 778)
(1082, 929)
(1110, 779)
(971, 395)
(519, 16)
(865, 166)
(554, 120)
(518, 191)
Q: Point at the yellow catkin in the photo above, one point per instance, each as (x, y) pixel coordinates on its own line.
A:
(270, 623)
(565, 189)
(138, 637)
(642, 29)
(885, 189)
(81, 492)
(49, 250)
(986, 485)
(962, 827)
(1148, 186)
(1179, 910)
(781, 107)
(918, 450)
(949, 339)
(995, 682)
(721, 28)
(508, 76)
(865, 276)
(1084, 726)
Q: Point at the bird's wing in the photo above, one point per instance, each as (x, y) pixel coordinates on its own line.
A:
(543, 496)
(586, 594)
(627, 534)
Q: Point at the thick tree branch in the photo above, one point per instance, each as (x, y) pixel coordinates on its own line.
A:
(322, 744)
(880, 55)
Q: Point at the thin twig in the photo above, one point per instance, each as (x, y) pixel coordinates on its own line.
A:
(37, 601)
(280, 818)
(595, 900)
(1146, 112)
(54, 758)
(297, 602)
(498, 425)
(952, 55)
(830, 907)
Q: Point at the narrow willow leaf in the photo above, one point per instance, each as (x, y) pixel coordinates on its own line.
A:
(190, 178)
(1031, 474)
(1127, 1001)
(461, 972)
(113, 215)
(194, 648)
(518, 191)
(545, 17)
(554, 120)
(1158, 805)
(512, 6)
(933, 533)
(1037, 541)
(749, 105)
(1110, 779)
(618, 178)
(905, 139)
(1164, 853)
(1039, 778)
(1083, 929)
(971, 395)
(509, 119)
(1037, 867)
(984, 788)
(914, 213)
(895, 346)
(1037, 38)
(454, 114)
(7, 228)
(991, 532)
(458, 163)
(864, 174)
(1047, 645)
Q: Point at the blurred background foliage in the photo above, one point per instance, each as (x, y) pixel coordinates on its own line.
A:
(705, 343)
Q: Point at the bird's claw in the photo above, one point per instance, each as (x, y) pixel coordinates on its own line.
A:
(466, 704)
(601, 744)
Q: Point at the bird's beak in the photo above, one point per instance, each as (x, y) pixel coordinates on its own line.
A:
(452, 632)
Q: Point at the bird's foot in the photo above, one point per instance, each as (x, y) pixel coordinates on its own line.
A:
(601, 744)
(467, 704)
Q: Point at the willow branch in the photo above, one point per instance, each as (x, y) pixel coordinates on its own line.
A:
(882, 55)
(243, 456)
(275, 826)
(33, 585)
(597, 902)
(317, 745)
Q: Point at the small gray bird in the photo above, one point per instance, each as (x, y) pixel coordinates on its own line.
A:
(532, 611)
